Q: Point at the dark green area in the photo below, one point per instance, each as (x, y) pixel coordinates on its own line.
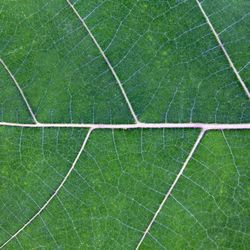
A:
(231, 20)
(210, 205)
(12, 106)
(57, 65)
(173, 70)
(168, 60)
(33, 162)
(113, 192)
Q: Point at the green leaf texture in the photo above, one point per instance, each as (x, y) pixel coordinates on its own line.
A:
(125, 124)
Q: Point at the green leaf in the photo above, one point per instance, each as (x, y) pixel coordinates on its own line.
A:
(56, 63)
(234, 30)
(210, 206)
(11, 104)
(33, 163)
(113, 191)
(124, 124)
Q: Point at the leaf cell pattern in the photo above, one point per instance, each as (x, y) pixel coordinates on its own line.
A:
(124, 124)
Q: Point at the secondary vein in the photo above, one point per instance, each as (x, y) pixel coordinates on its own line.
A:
(106, 60)
(172, 186)
(55, 192)
(223, 49)
(20, 91)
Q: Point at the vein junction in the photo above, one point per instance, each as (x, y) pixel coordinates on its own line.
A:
(54, 193)
(172, 186)
(106, 60)
(204, 126)
(138, 125)
(20, 91)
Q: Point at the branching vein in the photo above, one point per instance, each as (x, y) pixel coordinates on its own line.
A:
(172, 186)
(54, 194)
(20, 91)
(138, 125)
(106, 60)
(224, 50)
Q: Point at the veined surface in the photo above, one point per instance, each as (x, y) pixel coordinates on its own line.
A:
(124, 124)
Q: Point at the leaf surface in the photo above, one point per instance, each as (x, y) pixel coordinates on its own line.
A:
(62, 72)
(211, 201)
(233, 29)
(33, 163)
(113, 192)
(168, 60)
(12, 108)
(124, 124)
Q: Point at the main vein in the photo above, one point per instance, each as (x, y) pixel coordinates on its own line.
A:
(172, 186)
(224, 50)
(20, 91)
(205, 126)
(106, 60)
(55, 192)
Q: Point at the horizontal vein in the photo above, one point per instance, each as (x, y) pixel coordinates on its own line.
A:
(20, 90)
(54, 194)
(205, 126)
(106, 60)
(172, 186)
(224, 50)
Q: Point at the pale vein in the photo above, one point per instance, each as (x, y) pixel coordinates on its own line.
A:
(106, 60)
(172, 187)
(223, 49)
(20, 91)
(54, 194)
(204, 126)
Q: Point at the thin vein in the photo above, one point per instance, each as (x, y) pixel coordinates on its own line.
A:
(54, 194)
(172, 186)
(204, 126)
(224, 50)
(20, 91)
(106, 60)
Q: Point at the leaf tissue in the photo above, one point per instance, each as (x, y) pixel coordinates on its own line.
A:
(124, 124)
